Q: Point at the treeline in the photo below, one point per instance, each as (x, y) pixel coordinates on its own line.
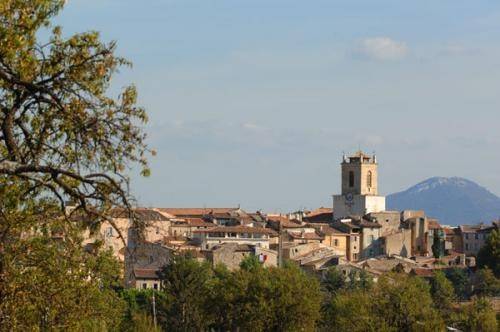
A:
(196, 297)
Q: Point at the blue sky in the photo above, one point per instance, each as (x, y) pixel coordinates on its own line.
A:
(252, 102)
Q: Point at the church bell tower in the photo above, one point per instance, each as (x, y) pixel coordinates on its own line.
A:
(359, 187)
(360, 174)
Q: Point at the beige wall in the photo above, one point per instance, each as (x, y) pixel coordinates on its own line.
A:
(398, 243)
(337, 242)
(146, 283)
(360, 171)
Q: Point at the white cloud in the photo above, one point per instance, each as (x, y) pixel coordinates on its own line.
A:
(382, 48)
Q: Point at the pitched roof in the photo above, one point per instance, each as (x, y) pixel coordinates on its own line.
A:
(146, 273)
(143, 214)
(237, 229)
(184, 212)
(318, 211)
(421, 272)
(305, 235)
(434, 224)
(193, 222)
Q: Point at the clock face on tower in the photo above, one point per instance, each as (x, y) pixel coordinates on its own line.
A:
(349, 197)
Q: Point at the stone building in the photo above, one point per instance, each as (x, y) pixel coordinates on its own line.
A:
(119, 235)
(359, 187)
(256, 236)
(232, 254)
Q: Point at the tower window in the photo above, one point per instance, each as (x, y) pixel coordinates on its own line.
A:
(369, 179)
(351, 179)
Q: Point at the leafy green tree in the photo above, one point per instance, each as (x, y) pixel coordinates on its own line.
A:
(485, 283)
(405, 303)
(352, 311)
(477, 316)
(139, 309)
(250, 263)
(185, 304)
(297, 300)
(62, 138)
(460, 282)
(51, 283)
(489, 254)
(333, 280)
(443, 293)
(61, 134)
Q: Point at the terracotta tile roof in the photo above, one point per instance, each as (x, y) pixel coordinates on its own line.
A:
(449, 231)
(434, 224)
(237, 229)
(186, 212)
(318, 211)
(326, 229)
(420, 272)
(143, 214)
(146, 273)
(306, 235)
(368, 224)
(193, 222)
(471, 228)
(277, 218)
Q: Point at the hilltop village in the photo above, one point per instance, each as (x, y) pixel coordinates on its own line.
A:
(356, 233)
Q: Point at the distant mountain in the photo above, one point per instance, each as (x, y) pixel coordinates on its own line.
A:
(453, 201)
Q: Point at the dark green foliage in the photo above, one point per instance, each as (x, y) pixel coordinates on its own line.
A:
(442, 292)
(460, 282)
(186, 302)
(489, 254)
(485, 283)
(437, 245)
(333, 280)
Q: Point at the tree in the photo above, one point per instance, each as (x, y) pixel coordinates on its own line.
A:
(51, 283)
(62, 138)
(442, 292)
(185, 304)
(333, 280)
(405, 303)
(352, 311)
(437, 245)
(489, 254)
(485, 283)
(61, 135)
(460, 282)
(477, 316)
(139, 309)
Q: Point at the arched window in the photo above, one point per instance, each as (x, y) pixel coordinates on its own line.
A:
(369, 179)
(351, 179)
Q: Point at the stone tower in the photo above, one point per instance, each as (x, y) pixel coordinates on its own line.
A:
(360, 175)
(359, 187)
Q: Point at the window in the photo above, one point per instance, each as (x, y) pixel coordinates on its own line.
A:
(466, 246)
(351, 179)
(336, 243)
(476, 236)
(466, 236)
(157, 230)
(144, 286)
(109, 231)
(155, 286)
(369, 179)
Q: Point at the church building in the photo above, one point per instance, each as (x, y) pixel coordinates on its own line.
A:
(359, 187)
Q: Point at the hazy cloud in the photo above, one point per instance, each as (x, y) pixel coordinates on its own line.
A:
(381, 48)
